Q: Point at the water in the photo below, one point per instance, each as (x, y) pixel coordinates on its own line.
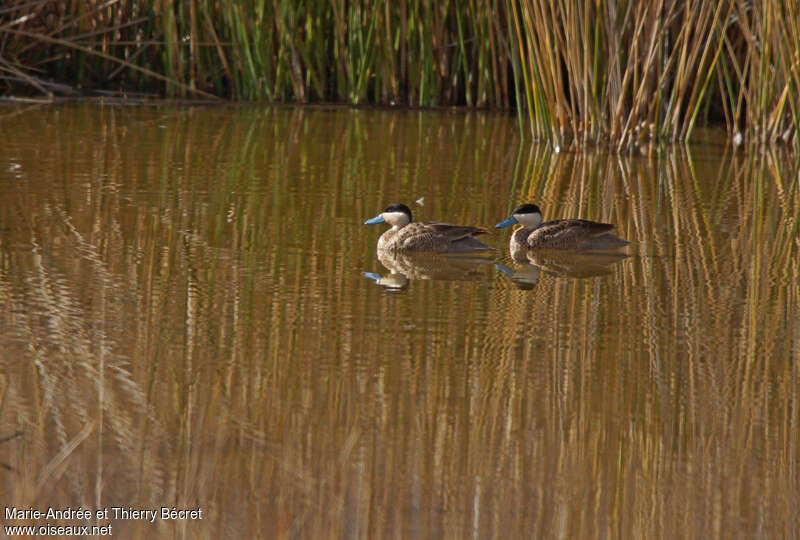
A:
(186, 322)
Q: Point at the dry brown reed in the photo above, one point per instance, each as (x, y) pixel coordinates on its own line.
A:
(621, 73)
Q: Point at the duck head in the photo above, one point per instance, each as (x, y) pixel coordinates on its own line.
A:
(528, 215)
(396, 215)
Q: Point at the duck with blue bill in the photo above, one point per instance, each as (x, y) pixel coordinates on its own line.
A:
(565, 234)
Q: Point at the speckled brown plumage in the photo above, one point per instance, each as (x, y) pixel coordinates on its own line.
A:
(433, 236)
(576, 234)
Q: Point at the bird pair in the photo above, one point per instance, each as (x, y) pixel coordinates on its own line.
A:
(568, 234)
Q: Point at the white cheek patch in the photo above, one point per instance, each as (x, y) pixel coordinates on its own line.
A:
(395, 218)
(529, 220)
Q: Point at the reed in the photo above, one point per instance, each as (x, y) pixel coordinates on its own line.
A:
(417, 53)
(627, 72)
(619, 73)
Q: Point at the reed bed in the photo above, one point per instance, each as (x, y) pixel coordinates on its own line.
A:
(619, 73)
(410, 53)
(628, 72)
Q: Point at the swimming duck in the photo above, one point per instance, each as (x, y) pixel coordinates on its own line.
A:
(573, 234)
(406, 235)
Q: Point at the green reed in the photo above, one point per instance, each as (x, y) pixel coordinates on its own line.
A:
(419, 53)
(618, 73)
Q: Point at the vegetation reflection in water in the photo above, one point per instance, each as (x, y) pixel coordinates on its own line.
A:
(186, 323)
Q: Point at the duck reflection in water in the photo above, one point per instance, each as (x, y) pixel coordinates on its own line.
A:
(529, 264)
(405, 266)
(575, 248)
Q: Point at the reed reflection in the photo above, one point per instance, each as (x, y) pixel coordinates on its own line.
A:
(184, 324)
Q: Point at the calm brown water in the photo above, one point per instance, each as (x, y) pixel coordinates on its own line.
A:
(185, 322)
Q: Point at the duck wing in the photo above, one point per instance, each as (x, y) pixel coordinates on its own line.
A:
(433, 236)
(452, 232)
(567, 233)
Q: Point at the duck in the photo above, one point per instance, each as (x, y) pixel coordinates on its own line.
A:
(561, 234)
(432, 236)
